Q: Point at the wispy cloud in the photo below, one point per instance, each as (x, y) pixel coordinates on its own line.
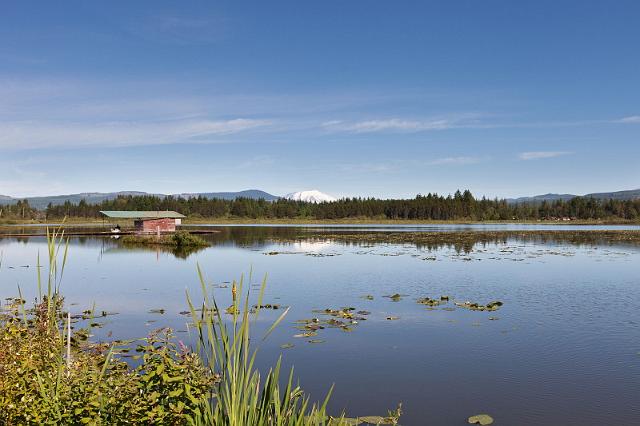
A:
(28, 135)
(539, 155)
(399, 124)
(457, 160)
(630, 119)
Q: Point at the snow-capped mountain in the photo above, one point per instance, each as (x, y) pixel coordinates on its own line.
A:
(313, 196)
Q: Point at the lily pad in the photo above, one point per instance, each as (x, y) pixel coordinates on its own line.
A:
(480, 419)
(395, 297)
(429, 301)
(307, 334)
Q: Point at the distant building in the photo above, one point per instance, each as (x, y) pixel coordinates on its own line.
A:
(148, 221)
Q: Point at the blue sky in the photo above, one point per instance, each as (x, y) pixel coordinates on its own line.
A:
(359, 97)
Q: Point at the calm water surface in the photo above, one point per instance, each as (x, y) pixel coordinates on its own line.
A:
(564, 349)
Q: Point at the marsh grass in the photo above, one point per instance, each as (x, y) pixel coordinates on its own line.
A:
(241, 396)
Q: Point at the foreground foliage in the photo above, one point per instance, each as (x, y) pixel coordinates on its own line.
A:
(40, 385)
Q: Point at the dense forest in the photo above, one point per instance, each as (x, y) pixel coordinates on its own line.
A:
(460, 206)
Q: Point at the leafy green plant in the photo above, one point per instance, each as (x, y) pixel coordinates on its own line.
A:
(51, 375)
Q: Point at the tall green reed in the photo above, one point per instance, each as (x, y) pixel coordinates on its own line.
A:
(241, 396)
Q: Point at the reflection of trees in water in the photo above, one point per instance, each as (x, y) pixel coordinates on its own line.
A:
(251, 236)
(116, 246)
(460, 241)
(467, 241)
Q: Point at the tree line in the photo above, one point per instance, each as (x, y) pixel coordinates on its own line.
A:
(459, 206)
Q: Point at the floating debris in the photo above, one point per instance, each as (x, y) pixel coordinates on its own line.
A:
(368, 297)
(287, 346)
(391, 318)
(157, 311)
(315, 341)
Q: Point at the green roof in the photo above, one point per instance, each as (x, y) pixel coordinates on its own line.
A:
(133, 214)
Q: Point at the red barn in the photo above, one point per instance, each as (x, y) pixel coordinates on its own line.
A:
(149, 221)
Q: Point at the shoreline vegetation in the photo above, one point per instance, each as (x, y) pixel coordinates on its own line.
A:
(313, 221)
(52, 373)
(461, 206)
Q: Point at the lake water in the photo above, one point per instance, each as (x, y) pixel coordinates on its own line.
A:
(564, 349)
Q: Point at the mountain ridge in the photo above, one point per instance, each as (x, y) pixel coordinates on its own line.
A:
(41, 202)
(629, 194)
(97, 197)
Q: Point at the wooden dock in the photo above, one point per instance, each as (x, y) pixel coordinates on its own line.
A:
(97, 233)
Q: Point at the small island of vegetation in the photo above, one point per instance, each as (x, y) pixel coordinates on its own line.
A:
(179, 239)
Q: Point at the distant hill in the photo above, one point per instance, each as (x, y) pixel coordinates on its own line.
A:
(541, 198)
(618, 195)
(98, 197)
(631, 194)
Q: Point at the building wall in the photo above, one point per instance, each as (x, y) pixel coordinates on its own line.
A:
(151, 225)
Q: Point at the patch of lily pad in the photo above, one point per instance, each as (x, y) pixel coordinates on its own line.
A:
(345, 319)
(472, 306)
(267, 306)
(480, 419)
